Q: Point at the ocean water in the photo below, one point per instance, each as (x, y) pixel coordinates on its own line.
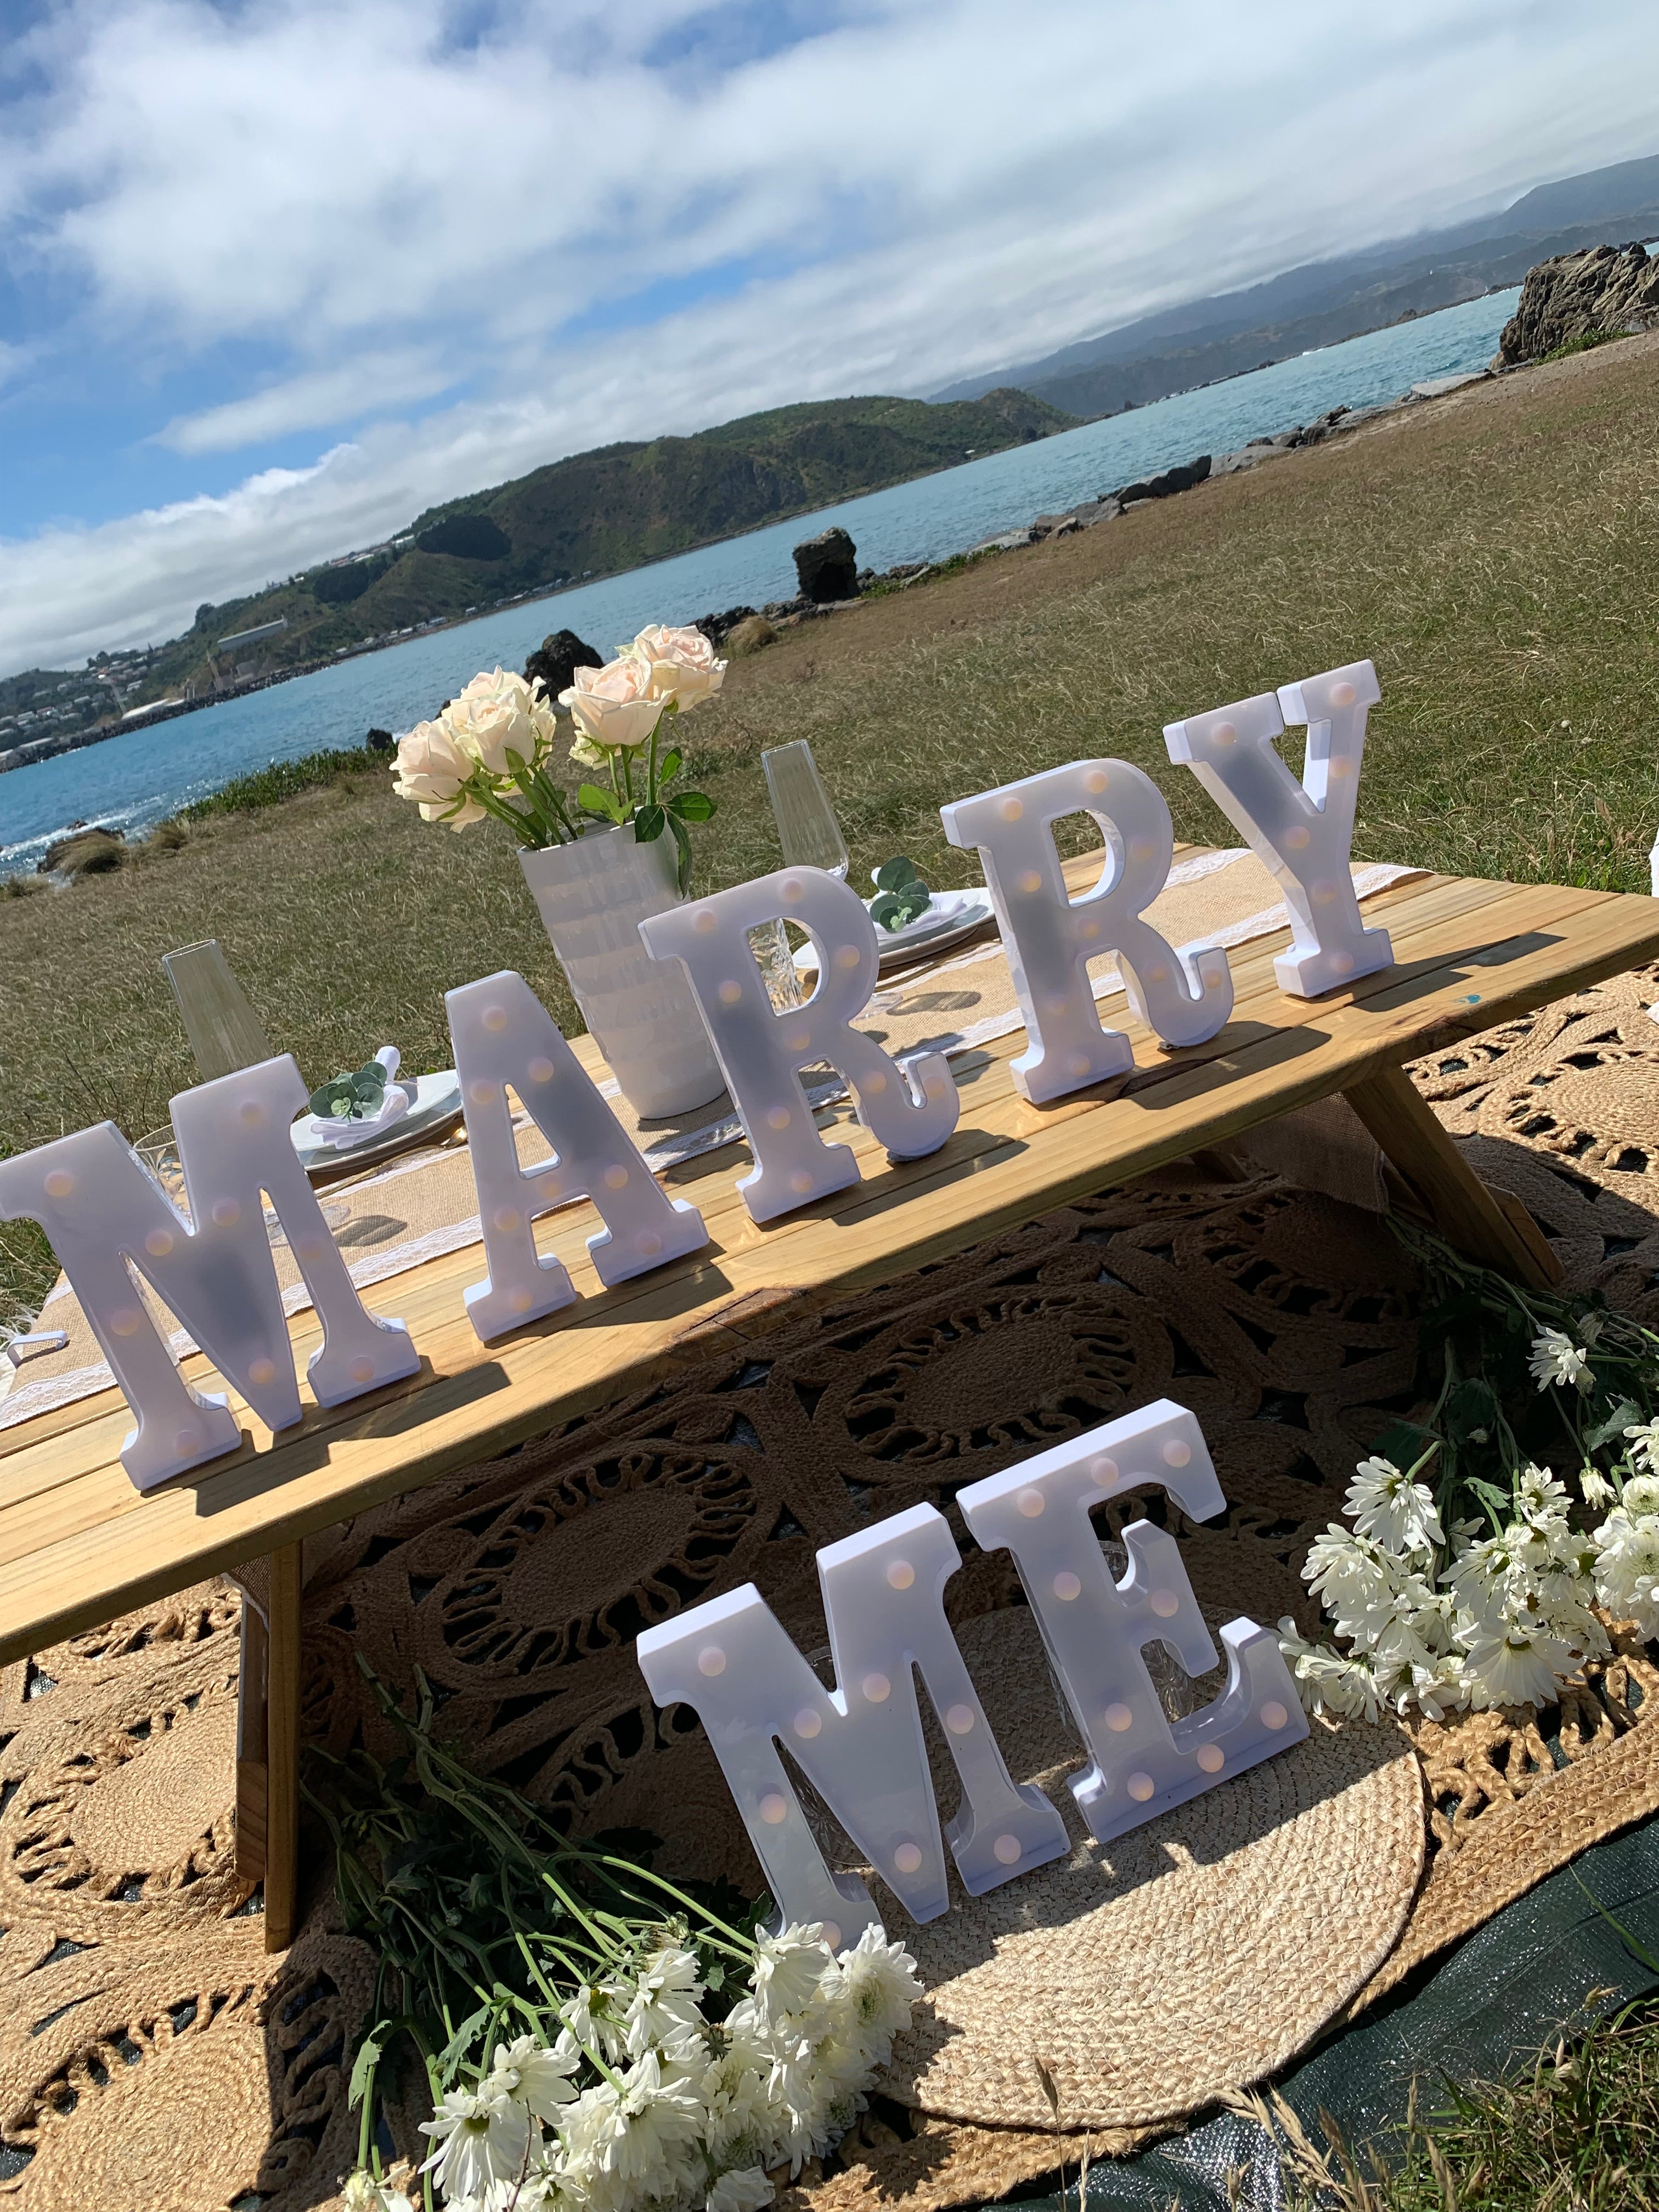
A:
(135, 779)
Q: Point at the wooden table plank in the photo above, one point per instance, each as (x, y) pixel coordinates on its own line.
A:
(426, 1296)
(77, 1542)
(991, 1098)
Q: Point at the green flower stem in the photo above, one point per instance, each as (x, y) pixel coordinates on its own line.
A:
(671, 707)
(736, 1949)
(553, 800)
(522, 826)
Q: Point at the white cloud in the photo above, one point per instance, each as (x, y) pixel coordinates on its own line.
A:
(370, 382)
(935, 186)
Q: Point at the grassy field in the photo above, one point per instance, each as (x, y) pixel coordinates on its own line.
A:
(1575, 2130)
(1496, 554)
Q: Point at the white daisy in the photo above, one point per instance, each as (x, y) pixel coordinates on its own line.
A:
(1643, 1438)
(1520, 1667)
(1326, 1681)
(1386, 1505)
(740, 2189)
(876, 1982)
(788, 1968)
(1627, 1566)
(480, 2136)
(1542, 1500)
(641, 2132)
(1556, 1359)
(362, 2193)
(1593, 1485)
(538, 2076)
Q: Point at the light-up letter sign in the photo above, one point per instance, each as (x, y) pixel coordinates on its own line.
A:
(860, 1744)
(910, 1106)
(104, 1212)
(1095, 1628)
(1050, 938)
(504, 1034)
(1302, 832)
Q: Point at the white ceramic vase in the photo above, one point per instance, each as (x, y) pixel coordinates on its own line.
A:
(592, 896)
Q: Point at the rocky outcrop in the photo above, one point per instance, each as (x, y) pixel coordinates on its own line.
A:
(828, 567)
(1611, 289)
(1182, 479)
(718, 628)
(557, 660)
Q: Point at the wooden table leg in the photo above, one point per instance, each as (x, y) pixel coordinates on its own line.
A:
(252, 1728)
(1491, 1226)
(283, 1749)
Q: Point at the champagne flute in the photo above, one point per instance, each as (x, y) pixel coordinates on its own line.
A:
(807, 828)
(224, 1030)
(810, 838)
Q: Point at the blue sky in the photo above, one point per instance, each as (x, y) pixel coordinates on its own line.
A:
(277, 274)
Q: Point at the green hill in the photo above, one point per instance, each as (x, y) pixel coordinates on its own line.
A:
(602, 512)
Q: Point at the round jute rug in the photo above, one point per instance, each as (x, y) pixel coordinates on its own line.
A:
(1191, 1956)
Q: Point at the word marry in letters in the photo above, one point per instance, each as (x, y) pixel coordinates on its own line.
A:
(860, 1743)
(113, 1225)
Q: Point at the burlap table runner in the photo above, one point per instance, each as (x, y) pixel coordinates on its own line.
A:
(425, 1203)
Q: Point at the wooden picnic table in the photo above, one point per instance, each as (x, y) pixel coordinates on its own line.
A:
(79, 1544)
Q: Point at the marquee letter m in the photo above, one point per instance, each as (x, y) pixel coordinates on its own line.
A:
(860, 1745)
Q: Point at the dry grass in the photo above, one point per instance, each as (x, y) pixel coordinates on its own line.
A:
(1496, 556)
(1576, 2131)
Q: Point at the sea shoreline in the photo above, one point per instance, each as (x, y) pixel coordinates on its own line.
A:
(32, 752)
(917, 529)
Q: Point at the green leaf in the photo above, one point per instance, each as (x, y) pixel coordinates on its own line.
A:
(1625, 1415)
(669, 769)
(599, 802)
(1471, 1408)
(648, 825)
(893, 875)
(367, 2058)
(891, 910)
(685, 844)
(691, 805)
(1499, 1504)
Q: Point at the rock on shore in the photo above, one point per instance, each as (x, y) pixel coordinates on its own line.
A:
(828, 567)
(557, 660)
(1609, 289)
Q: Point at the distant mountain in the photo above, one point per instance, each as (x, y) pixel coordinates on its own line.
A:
(593, 514)
(1323, 302)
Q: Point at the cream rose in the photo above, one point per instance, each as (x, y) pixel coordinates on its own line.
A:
(682, 665)
(498, 715)
(613, 706)
(431, 770)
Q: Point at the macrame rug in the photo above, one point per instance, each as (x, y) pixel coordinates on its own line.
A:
(154, 2059)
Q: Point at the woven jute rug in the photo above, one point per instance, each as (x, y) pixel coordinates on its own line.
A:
(154, 2059)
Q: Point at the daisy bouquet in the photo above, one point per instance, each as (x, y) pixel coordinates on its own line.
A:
(592, 2036)
(1474, 1575)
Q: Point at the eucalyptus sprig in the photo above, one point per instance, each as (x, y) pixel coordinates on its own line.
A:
(353, 1098)
(901, 896)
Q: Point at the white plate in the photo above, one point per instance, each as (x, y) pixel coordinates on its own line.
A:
(952, 916)
(436, 1098)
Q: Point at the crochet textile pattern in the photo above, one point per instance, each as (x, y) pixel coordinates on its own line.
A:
(153, 2058)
